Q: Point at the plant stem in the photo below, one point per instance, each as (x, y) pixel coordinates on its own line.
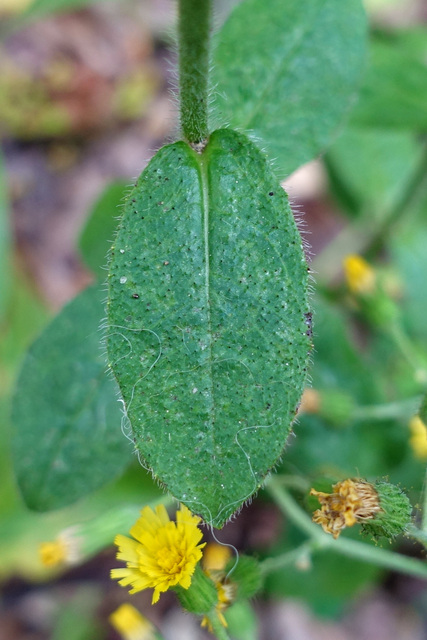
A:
(403, 409)
(269, 565)
(194, 36)
(417, 534)
(218, 629)
(409, 352)
(367, 235)
(350, 548)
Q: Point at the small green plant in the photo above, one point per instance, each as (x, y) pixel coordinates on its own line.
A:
(208, 321)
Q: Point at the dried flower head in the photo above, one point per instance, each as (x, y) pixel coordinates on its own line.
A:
(351, 501)
(162, 554)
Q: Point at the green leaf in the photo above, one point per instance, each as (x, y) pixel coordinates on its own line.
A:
(65, 412)
(394, 93)
(408, 251)
(99, 231)
(208, 315)
(372, 167)
(288, 72)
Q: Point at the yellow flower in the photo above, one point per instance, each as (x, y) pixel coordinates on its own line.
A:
(351, 501)
(215, 556)
(65, 550)
(359, 275)
(418, 439)
(130, 624)
(163, 554)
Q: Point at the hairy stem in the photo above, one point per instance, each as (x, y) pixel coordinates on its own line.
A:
(194, 36)
(403, 409)
(218, 629)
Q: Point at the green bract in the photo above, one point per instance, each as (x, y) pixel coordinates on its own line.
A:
(208, 320)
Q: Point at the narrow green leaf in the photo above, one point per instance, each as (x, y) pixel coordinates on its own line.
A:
(65, 412)
(288, 72)
(98, 233)
(208, 319)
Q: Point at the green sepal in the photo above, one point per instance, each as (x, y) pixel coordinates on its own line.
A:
(395, 514)
(201, 596)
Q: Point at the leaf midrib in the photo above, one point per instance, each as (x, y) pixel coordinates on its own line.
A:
(204, 184)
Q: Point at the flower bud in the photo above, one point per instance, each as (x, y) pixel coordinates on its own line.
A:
(366, 287)
(246, 575)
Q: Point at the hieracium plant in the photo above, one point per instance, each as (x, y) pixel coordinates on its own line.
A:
(208, 323)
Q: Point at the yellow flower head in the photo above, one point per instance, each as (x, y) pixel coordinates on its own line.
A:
(162, 554)
(215, 556)
(65, 550)
(130, 624)
(351, 501)
(418, 439)
(359, 275)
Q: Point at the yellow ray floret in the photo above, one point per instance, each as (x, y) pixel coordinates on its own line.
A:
(162, 554)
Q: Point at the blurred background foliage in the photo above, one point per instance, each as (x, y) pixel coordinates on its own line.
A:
(84, 100)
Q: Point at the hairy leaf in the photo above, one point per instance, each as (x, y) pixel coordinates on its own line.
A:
(66, 417)
(288, 72)
(209, 326)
